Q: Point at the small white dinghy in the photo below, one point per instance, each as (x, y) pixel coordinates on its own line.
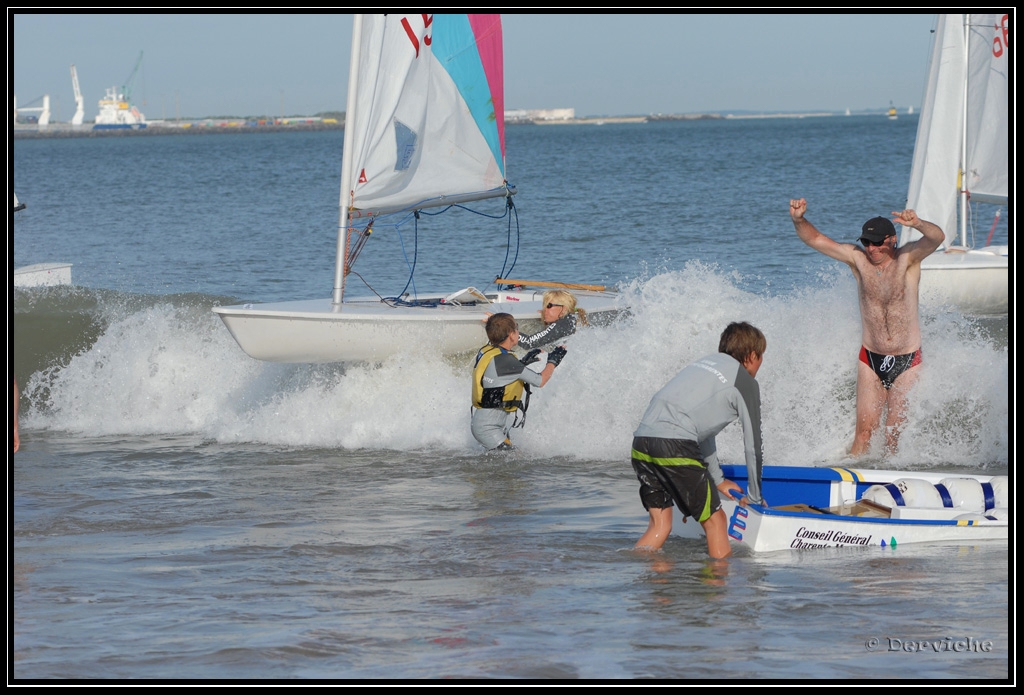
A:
(834, 507)
(43, 275)
(39, 274)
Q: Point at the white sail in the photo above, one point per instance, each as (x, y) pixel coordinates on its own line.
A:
(962, 156)
(424, 120)
(980, 75)
(933, 177)
(988, 108)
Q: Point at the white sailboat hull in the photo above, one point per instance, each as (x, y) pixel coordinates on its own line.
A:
(975, 281)
(825, 508)
(43, 275)
(367, 329)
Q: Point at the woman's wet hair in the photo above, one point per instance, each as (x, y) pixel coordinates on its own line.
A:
(567, 300)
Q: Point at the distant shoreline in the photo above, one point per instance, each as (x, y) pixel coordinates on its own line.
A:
(198, 127)
(64, 130)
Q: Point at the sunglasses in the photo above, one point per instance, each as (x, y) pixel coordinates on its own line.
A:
(868, 242)
(550, 305)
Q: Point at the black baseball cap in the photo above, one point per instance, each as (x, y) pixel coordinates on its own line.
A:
(877, 229)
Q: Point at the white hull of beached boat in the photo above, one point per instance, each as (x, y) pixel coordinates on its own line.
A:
(316, 331)
(43, 275)
(814, 508)
(972, 280)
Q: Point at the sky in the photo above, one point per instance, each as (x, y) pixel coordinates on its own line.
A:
(197, 65)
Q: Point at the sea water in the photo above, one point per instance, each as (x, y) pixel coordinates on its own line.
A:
(181, 511)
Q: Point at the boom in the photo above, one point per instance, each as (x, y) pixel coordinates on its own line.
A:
(126, 90)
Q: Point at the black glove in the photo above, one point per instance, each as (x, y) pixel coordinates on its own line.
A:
(556, 355)
(531, 356)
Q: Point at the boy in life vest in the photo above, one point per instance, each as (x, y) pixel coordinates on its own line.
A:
(501, 382)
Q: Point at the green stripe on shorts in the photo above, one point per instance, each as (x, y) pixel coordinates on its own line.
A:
(706, 512)
(640, 456)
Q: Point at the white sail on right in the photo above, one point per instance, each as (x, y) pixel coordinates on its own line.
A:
(988, 108)
(969, 58)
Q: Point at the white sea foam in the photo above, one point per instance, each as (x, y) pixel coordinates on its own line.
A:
(174, 370)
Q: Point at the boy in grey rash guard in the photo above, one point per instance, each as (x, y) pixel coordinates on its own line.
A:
(674, 453)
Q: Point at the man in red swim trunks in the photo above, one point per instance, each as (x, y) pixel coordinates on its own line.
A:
(887, 282)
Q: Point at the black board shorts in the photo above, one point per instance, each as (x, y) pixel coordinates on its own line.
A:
(670, 470)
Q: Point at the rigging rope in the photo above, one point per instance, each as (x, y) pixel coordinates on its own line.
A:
(509, 211)
(995, 223)
(510, 206)
(415, 254)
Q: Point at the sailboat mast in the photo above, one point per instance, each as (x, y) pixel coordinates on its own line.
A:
(962, 175)
(341, 259)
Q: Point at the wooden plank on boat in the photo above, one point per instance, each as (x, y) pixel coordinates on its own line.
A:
(545, 283)
(805, 508)
(858, 508)
(863, 507)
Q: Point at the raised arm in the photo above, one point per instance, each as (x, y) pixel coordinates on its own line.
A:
(810, 235)
(931, 235)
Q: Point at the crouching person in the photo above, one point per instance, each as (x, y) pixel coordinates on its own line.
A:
(674, 454)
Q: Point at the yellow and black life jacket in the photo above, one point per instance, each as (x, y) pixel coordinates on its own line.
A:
(509, 397)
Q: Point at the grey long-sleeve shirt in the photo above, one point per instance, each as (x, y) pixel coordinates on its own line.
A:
(700, 402)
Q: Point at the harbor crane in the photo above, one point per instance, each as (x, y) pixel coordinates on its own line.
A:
(44, 111)
(126, 90)
(79, 102)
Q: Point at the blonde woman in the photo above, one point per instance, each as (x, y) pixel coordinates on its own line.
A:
(560, 316)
